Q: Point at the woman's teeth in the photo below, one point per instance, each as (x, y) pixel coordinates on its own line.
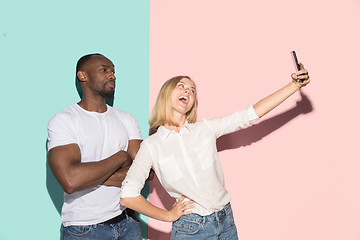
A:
(183, 99)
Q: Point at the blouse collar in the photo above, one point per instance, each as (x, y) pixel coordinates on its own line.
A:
(164, 132)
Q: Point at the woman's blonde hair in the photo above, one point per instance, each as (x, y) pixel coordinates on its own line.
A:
(162, 111)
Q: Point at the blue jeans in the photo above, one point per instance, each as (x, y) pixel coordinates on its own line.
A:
(219, 225)
(127, 229)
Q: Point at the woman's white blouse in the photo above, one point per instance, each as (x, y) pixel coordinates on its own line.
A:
(187, 163)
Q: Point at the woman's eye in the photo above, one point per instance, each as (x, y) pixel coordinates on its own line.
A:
(193, 91)
(181, 85)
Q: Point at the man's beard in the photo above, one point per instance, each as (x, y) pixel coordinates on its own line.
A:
(104, 92)
(107, 94)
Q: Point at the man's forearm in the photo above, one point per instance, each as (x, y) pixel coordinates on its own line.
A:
(117, 178)
(74, 175)
(117, 174)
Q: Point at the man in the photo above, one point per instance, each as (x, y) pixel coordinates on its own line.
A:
(91, 146)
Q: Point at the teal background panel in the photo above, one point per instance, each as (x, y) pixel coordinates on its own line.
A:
(40, 42)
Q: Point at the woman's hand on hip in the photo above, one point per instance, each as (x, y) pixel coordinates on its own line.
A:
(180, 208)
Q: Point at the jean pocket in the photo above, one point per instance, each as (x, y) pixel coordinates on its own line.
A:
(185, 226)
(78, 231)
(134, 219)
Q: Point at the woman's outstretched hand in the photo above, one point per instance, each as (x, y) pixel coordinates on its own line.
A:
(180, 208)
(301, 78)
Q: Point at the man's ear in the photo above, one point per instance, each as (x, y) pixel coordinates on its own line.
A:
(81, 75)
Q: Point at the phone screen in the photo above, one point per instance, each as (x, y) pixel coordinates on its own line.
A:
(296, 63)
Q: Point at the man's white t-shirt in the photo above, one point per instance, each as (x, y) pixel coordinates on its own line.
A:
(98, 135)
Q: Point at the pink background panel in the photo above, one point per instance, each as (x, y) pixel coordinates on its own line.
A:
(295, 174)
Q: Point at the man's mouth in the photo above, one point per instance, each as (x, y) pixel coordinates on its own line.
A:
(111, 84)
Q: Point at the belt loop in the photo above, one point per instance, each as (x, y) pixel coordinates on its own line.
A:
(204, 220)
(126, 214)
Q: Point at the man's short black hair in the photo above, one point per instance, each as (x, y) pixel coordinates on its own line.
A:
(84, 59)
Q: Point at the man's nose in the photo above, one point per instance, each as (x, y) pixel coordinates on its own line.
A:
(112, 76)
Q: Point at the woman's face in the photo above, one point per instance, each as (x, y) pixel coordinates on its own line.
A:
(183, 96)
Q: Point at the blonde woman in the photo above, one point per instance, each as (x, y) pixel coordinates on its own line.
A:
(184, 157)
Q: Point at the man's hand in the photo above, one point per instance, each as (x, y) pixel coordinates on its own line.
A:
(118, 177)
(127, 162)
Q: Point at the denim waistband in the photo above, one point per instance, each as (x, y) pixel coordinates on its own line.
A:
(216, 216)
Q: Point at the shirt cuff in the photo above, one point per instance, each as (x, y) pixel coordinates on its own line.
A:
(252, 114)
(130, 189)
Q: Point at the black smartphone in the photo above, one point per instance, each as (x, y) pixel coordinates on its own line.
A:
(296, 63)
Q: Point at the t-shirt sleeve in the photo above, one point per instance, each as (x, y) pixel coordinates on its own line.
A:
(60, 131)
(233, 122)
(133, 127)
(138, 173)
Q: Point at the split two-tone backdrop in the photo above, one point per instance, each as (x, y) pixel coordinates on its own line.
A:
(293, 175)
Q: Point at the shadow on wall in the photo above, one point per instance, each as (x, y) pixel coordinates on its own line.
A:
(167, 201)
(54, 189)
(256, 132)
(238, 139)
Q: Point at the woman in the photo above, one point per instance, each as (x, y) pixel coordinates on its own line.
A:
(183, 155)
